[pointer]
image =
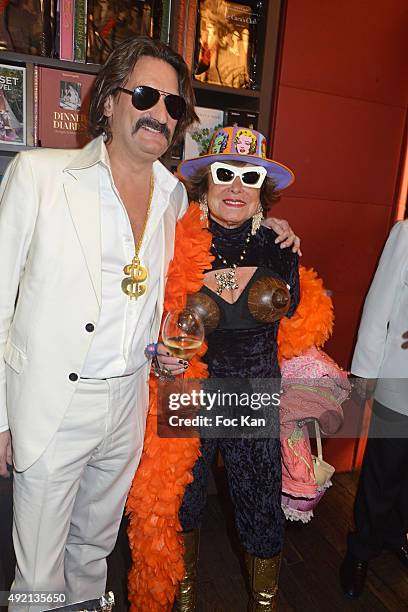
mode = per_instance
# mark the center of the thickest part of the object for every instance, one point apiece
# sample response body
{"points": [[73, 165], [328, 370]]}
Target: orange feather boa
{"points": [[166, 465]]}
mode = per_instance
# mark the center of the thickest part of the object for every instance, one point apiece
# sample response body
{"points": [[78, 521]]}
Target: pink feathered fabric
{"points": [[313, 386]]}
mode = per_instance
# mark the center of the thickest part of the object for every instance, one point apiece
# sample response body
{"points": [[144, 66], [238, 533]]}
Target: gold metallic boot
{"points": [[186, 597], [263, 577]]}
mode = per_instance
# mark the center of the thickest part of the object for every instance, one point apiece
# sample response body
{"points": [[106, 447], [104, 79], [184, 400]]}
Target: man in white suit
{"points": [[74, 325], [381, 508], [85, 241]]}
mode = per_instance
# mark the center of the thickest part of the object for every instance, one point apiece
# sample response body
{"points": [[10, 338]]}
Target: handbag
{"points": [[101, 604], [323, 471], [300, 508]]}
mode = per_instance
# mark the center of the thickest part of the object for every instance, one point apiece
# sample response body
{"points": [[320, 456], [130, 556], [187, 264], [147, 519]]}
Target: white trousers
{"points": [[68, 505]]}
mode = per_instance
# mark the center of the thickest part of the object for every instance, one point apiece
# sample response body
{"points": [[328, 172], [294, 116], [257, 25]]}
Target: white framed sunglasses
{"points": [[225, 174]]}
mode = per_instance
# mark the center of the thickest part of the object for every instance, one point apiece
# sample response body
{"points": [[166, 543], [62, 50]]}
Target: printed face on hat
{"points": [[231, 205], [244, 144]]}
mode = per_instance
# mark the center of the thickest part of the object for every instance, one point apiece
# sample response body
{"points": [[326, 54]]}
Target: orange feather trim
{"points": [[166, 465], [312, 323], [165, 468]]}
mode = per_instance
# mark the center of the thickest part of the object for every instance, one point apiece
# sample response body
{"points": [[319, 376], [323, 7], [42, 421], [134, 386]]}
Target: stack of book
{"points": [[44, 107], [79, 30], [49, 107], [72, 31]]}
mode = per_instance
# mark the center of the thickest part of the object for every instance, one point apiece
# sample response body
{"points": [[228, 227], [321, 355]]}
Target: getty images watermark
{"points": [[236, 408], [210, 400], [219, 408]]}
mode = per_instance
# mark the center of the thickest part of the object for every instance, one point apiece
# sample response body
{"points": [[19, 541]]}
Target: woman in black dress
{"points": [[253, 282]]}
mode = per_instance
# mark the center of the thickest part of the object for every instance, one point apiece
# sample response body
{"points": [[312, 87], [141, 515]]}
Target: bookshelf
{"points": [[227, 91], [9, 57], [207, 95], [260, 100]]}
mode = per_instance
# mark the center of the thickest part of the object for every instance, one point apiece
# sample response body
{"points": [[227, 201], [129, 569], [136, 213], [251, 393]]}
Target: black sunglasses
{"points": [[144, 97]]}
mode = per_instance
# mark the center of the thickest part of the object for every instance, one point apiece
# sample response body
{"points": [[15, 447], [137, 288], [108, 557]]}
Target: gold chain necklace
{"points": [[136, 274], [228, 278]]}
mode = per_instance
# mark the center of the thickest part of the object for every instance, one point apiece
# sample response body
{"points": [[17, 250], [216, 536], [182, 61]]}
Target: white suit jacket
{"points": [[50, 284], [378, 353]]}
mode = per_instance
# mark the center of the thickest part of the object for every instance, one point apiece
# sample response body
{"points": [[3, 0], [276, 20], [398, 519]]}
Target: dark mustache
{"points": [[154, 124]]}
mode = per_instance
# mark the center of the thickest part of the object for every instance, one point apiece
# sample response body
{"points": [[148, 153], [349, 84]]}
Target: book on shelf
{"points": [[199, 135], [241, 117], [72, 30], [28, 26], [66, 29], [191, 25], [165, 21], [112, 21], [63, 105], [12, 105], [227, 39], [80, 30], [186, 30], [31, 70]]}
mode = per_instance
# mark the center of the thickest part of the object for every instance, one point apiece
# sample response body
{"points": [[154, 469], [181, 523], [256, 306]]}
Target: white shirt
{"points": [[124, 325], [378, 353]]}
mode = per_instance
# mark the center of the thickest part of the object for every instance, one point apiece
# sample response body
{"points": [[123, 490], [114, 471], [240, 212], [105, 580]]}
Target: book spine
{"points": [[47, 28], [36, 78], [24, 105], [180, 27], [5, 40], [165, 24], [80, 30], [190, 35], [30, 104], [66, 35]]}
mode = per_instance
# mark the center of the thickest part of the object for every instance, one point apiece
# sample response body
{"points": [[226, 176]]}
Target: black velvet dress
{"points": [[243, 348]]}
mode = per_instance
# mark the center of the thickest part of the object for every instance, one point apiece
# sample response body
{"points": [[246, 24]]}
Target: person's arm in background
{"points": [[373, 330]]}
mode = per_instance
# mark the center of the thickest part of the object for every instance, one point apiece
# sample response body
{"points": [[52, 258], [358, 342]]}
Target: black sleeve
{"points": [[281, 261], [294, 285]]}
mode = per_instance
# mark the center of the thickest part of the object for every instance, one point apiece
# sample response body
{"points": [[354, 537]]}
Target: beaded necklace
{"points": [[228, 279]]}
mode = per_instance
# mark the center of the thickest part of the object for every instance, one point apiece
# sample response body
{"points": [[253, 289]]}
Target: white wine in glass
{"points": [[183, 333]]}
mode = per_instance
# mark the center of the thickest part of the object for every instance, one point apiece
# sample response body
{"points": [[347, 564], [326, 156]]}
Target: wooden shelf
{"points": [[50, 62], [6, 148], [209, 95], [217, 96], [234, 91]]}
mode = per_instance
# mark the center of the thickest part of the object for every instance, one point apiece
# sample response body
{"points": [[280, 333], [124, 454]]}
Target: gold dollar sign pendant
{"points": [[136, 274], [132, 284]]}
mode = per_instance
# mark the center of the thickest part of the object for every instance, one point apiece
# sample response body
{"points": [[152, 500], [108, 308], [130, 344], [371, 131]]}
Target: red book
{"points": [[66, 38], [63, 106], [190, 33]]}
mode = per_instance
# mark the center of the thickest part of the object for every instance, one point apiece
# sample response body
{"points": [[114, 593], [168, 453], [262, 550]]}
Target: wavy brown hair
{"points": [[197, 186], [116, 72]]}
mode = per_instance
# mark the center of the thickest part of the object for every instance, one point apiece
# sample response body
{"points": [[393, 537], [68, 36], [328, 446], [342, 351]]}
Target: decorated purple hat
{"points": [[239, 144]]}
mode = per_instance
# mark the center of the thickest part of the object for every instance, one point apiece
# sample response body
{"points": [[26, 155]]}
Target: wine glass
{"points": [[183, 332]]}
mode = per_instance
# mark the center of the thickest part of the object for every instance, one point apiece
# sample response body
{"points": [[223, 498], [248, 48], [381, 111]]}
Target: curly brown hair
{"points": [[197, 186], [116, 72]]}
